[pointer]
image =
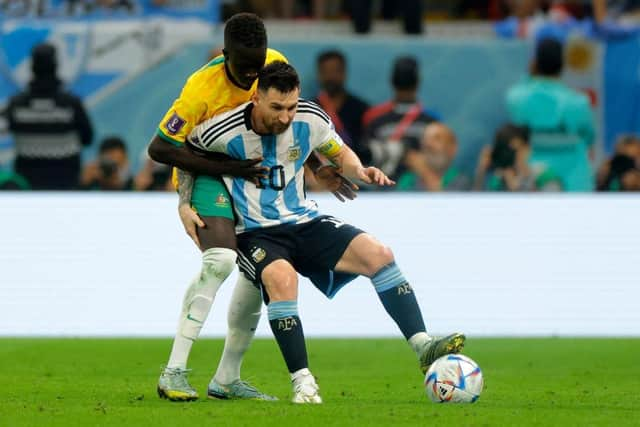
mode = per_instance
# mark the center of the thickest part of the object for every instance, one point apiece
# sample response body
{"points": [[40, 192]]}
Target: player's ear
{"points": [[255, 97]]}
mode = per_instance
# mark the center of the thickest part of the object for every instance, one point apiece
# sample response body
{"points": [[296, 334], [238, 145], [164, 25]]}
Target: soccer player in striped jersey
{"points": [[282, 233], [222, 84]]}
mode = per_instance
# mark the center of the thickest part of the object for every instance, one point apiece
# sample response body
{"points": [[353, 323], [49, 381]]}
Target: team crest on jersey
{"points": [[258, 254], [222, 201], [294, 153], [175, 123]]}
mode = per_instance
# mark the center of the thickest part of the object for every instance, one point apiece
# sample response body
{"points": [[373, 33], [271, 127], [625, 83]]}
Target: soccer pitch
{"points": [[528, 382]]}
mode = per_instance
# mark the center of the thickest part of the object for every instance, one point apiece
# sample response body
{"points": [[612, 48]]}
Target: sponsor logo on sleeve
{"points": [[175, 123]]}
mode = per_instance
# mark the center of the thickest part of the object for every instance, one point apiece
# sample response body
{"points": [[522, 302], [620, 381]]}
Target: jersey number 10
{"points": [[276, 179]]}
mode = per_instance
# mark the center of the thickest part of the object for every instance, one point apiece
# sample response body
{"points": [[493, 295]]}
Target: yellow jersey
{"points": [[207, 93]]}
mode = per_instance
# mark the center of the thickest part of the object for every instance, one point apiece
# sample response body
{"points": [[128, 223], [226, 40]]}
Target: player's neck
{"points": [[232, 79], [256, 124], [339, 99], [405, 97]]}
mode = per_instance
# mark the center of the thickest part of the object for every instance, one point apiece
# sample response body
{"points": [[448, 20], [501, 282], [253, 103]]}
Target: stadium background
{"points": [[90, 282], [485, 255]]}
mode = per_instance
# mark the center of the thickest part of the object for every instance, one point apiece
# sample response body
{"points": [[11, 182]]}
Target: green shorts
{"points": [[211, 198]]}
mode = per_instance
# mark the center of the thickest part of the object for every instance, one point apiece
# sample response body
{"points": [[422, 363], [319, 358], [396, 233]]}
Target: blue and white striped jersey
{"points": [[281, 198]]}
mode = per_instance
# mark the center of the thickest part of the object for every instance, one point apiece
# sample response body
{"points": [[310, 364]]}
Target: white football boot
{"points": [[305, 389]]}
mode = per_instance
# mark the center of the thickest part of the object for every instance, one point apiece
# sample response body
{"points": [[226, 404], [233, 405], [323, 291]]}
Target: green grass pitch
{"points": [[111, 382]]}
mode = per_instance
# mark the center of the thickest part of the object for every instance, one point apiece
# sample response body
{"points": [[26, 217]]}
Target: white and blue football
{"points": [[454, 378]]}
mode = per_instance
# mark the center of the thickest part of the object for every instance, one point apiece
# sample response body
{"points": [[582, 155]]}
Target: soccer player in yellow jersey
{"points": [[221, 85]]}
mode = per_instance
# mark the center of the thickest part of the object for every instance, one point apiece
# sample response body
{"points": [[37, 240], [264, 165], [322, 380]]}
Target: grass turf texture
{"points": [[68, 382]]}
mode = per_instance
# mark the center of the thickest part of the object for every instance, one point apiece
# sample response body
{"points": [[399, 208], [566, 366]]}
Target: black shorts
{"points": [[313, 249]]}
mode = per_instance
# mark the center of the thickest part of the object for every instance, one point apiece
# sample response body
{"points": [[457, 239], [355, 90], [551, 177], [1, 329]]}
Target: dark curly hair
{"points": [[278, 75], [246, 29]]}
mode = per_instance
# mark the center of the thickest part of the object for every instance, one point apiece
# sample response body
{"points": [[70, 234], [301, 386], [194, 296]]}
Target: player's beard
{"points": [[277, 128]]}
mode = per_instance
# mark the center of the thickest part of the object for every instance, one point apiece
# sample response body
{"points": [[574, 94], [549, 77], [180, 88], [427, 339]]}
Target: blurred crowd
{"points": [[516, 18], [45, 8], [361, 12], [547, 144]]}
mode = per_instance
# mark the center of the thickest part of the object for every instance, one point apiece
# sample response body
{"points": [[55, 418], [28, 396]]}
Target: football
{"points": [[454, 378]]}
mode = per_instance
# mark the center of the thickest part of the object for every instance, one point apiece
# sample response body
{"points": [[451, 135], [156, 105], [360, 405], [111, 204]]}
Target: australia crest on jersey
{"points": [[222, 201]]}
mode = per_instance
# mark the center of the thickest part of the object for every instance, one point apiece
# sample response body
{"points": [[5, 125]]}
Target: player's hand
{"points": [[191, 221], [248, 169], [332, 179], [372, 175]]}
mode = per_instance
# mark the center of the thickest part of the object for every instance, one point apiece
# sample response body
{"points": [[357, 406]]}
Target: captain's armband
{"points": [[330, 148]]}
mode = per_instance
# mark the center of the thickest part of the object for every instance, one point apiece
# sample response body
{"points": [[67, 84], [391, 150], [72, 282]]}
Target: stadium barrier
{"points": [[118, 264]]}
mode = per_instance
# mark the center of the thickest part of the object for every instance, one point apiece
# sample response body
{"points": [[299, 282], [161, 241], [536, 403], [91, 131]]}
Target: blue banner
{"points": [[208, 10], [622, 89]]}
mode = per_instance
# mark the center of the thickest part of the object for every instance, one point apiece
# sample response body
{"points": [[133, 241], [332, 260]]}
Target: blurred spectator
{"points": [[6, 142], [49, 126], [410, 10], [507, 165], [83, 7], [153, 176], [620, 173], [286, 9], [562, 18], [22, 8], [431, 167], [12, 182], [110, 172], [396, 126], [345, 109], [559, 117], [615, 8]]}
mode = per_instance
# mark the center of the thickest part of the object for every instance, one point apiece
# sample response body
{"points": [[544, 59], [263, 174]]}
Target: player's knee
{"points": [[218, 263], [380, 256], [280, 281]]}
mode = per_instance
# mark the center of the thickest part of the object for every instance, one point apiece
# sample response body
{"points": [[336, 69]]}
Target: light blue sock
{"points": [[398, 299]]}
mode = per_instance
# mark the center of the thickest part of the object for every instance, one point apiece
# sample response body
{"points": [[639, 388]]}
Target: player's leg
{"points": [[367, 256], [218, 243], [218, 261], [280, 282], [265, 257], [242, 320]]}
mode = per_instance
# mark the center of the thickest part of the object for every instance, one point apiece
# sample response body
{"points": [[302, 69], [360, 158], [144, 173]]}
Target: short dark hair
{"points": [[246, 29], [507, 132], [112, 143], [44, 60], [328, 55], [549, 57], [405, 73], [278, 75]]}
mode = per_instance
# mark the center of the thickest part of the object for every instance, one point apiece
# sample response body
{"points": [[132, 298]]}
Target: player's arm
{"points": [[190, 218], [327, 177], [186, 159], [168, 145], [349, 164]]}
